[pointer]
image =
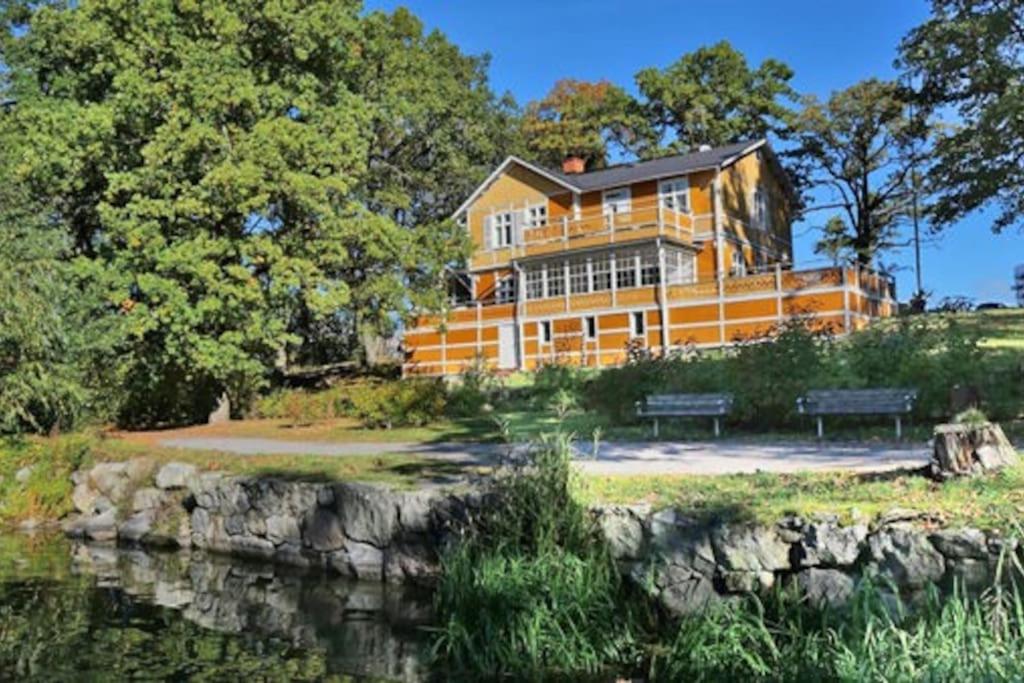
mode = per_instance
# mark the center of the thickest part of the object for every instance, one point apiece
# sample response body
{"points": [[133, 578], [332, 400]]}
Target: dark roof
{"points": [[678, 164]]}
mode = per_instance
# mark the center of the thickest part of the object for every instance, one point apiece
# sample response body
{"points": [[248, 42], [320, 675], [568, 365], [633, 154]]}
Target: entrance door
{"points": [[507, 346]]}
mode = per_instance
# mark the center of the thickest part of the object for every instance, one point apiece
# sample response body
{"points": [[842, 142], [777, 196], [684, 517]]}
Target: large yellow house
{"points": [[687, 250]]}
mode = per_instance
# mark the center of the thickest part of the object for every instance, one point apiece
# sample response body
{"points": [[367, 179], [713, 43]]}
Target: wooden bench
{"points": [[685, 405], [895, 402]]}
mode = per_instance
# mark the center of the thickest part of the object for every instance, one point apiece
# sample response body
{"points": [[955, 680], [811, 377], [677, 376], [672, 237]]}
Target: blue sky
{"points": [[829, 45]]}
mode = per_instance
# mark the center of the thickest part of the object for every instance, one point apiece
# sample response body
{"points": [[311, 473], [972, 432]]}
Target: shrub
{"points": [[475, 388], [402, 403], [557, 382]]}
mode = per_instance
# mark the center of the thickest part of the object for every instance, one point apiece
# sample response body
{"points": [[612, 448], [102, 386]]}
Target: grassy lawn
{"points": [[994, 501]]}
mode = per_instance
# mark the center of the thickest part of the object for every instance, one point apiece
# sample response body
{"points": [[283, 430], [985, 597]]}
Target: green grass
{"points": [[991, 501]]}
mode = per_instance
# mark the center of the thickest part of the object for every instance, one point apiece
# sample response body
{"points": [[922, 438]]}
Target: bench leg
{"points": [[718, 430], [821, 429], [899, 428]]}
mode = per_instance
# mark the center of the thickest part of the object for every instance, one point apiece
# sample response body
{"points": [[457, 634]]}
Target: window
{"points": [[625, 270], [636, 324], [501, 225], [505, 291], [649, 270], [601, 270], [535, 283], [545, 331], [616, 201], [578, 277], [590, 327], [762, 216], [675, 194], [556, 279], [680, 268], [536, 216], [739, 264]]}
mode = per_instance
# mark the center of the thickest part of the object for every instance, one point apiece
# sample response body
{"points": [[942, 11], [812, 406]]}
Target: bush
{"points": [[476, 388], [558, 383], [403, 403]]}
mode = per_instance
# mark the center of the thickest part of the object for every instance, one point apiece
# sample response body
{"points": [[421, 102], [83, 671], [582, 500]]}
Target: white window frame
{"points": [[762, 208], [611, 207], [553, 269], [535, 215], [587, 319], [739, 263], [648, 263], [546, 331], [605, 268], [626, 264], [635, 333], [501, 296], [535, 288], [502, 223], [673, 191], [579, 269]]}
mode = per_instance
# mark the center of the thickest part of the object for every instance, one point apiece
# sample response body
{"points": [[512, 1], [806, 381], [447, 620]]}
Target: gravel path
{"points": [[691, 457]]}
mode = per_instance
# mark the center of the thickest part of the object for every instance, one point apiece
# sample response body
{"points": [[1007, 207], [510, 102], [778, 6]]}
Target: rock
{"points": [[102, 527], [749, 548], [283, 529], [22, 475], [84, 499], [972, 574], [146, 499], [968, 449], [825, 587], [414, 511], [222, 413], [680, 541], [110, 479], [961, 543], [250, 546], [323, 531], [325, 496], [137, 527], [747, 582], [175, 475], [365, 561], [827, 544], [622, 531], [685, 592], [368, 514], [906, 558], [904, 516], [411, 561]]}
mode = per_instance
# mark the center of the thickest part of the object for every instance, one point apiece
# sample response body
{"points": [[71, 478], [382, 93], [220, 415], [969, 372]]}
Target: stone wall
{"points": [[375, 533]]}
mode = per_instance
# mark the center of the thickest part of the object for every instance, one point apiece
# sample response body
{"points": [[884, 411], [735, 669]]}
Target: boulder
{"points": [[175, 475], [110, 479], [969, 449], [147, 499], [972, 574], [682, 542], [827, 544], [682, 592], [322, 531], [23, 475], [101, 528], [84, 499], [283, 529], [961, 543], [750, 548], [622, 530], [905, 557], [137, 527], [368, 514], [825, 587], [747, 582], [366, 562]]}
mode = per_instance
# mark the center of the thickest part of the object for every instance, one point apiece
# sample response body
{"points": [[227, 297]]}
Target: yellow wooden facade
{"points": [[580, 282]]}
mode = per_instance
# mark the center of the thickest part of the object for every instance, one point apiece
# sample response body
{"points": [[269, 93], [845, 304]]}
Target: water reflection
{"points": [[110, 613]]}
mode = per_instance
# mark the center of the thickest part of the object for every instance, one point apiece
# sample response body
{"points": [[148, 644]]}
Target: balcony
{"points": [[645, 219]]}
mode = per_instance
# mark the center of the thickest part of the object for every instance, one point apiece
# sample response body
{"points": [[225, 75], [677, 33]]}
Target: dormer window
{"points": [[501, 230], [675, 194], [762, 216]]}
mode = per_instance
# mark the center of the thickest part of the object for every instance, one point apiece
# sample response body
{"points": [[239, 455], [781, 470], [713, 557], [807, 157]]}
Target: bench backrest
{"points": [[857, 401], [686, 404]]}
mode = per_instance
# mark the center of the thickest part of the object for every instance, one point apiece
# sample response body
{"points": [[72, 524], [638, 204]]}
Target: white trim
{"points": [[662, 194], [619, 188], [511, 159]]}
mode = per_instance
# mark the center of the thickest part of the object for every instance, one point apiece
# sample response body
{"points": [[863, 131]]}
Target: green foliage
{"points": [[409, 402], [531, 591], [46, 493], [242, 181], [971, 416], [712, 97], [967, 59], [766, 377], [583, 119], [864, 146], [557, 384], [474, 391]]}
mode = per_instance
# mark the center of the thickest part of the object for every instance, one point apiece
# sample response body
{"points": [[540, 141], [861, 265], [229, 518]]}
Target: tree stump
{"points": [[968, 449]]}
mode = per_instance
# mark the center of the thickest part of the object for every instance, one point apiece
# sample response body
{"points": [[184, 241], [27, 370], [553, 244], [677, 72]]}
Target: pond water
{"points": [[76, 612]]}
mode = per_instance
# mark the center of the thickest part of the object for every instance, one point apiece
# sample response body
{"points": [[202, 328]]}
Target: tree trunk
{"points": [[969, 449]]}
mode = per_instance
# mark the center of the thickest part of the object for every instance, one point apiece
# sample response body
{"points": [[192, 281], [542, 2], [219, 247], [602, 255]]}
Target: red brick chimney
{"points": [[573, 164]]}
